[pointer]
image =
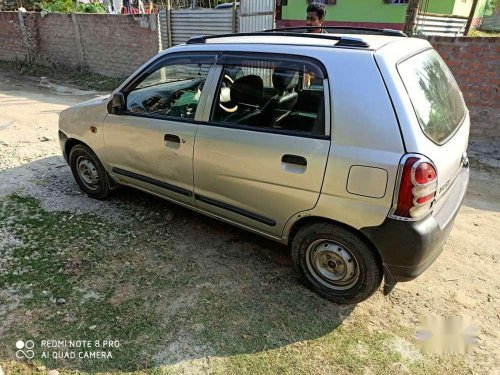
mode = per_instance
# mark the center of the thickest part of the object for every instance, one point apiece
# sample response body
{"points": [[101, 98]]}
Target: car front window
{"points": [[170, 91]]}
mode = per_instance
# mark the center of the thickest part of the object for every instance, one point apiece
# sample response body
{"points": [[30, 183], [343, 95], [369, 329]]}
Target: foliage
{"points": [[68, 6], [483, 33], [63, 6], [490, 6], [91, 8], [30, 5]]}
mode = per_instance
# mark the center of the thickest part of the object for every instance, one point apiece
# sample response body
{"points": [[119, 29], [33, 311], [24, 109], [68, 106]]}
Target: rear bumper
{"points": [[408, 248]]}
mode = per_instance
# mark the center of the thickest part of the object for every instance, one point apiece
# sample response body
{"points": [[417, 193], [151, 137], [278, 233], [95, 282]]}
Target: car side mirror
{"points": [[118, 103]]}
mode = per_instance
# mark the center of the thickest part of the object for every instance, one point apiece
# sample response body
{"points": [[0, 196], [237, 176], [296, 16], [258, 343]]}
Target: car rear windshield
{"points": [[434, 93]]}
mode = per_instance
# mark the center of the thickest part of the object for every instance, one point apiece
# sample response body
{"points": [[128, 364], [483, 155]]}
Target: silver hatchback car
{"points": [[350, 147]]}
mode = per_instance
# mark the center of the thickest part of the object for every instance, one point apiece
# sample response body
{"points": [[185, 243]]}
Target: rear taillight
{"points": [[417, 188]]}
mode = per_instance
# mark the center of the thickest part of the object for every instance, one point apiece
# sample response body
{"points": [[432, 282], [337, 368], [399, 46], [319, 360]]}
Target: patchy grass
{"points": [[177, 303], [82, 79], [482, 33]]}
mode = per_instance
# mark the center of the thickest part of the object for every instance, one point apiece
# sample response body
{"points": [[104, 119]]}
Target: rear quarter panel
{"points": [[365, 132]]}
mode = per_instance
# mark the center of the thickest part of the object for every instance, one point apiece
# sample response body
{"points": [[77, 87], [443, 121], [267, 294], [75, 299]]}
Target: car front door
{"points": [[149, 141], [261, 154]]}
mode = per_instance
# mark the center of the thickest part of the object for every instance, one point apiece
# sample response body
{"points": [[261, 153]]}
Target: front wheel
{"points": [[336, 263], [88, 172]]}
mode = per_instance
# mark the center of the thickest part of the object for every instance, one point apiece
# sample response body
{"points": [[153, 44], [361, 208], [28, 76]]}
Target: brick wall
{"points": [[475, 63], [122, 45], [57, 39], [12, 46], [109, 44]]}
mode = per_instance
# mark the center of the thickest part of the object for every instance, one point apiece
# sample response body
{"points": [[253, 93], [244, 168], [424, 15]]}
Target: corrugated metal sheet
{"points": [[163, 33], [256, 15], [253, 15], [189, 23], [435, 25], [490, 23]]}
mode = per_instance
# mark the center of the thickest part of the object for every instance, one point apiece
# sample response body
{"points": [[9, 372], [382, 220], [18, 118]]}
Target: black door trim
{"points": [[152, 181], [240, 211]]}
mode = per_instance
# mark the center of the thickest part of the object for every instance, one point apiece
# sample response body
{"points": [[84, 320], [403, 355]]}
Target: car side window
{"points": [[172, 90], [286, 96]]}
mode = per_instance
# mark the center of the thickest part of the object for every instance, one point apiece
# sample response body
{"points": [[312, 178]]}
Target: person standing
{"points": [[315, 16]]}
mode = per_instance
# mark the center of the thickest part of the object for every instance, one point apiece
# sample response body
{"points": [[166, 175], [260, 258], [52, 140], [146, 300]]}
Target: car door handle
{"points": [[172, 138], [294, 159]]}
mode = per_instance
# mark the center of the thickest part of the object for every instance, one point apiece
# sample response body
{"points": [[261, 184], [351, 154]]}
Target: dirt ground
{"points": [[240, 309]]}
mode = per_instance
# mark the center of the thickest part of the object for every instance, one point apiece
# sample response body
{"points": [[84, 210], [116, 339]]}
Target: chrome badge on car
{"points": [[445, 186]]}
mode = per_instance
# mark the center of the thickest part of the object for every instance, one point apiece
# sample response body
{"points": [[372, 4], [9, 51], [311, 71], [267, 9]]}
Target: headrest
{"points": [[285, 78], [248, 90]]}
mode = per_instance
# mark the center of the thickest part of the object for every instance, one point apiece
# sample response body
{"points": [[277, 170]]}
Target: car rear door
{"points": [[258, 165], [433, 115], [441, 113]]}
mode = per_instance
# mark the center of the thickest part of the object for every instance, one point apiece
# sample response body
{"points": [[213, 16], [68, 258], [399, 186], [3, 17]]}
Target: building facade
{"points": [[372, 13]]}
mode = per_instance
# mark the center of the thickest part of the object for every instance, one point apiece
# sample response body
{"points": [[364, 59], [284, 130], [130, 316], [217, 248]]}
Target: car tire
{"points": [[89, 172], [336, 263]]}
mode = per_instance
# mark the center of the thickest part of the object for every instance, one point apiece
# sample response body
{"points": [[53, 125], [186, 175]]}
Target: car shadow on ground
{"points": [[169, 284]]}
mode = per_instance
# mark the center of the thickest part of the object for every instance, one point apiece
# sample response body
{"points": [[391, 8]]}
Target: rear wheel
{"points": [[336, 263], [88, 172]]}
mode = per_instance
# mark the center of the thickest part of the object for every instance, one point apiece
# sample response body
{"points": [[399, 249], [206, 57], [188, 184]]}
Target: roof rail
{"points": [[338, 29], [343, 41]]}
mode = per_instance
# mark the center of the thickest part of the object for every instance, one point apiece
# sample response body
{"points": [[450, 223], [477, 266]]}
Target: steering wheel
{"points": [[225, 95]]}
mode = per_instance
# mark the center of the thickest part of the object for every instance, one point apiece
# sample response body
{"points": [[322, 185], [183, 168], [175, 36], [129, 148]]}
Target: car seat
{"points": [[277, 109], [247, 92]]}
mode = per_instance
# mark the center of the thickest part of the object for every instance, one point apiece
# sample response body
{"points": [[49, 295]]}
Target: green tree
{"points": [[491, 6]]}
